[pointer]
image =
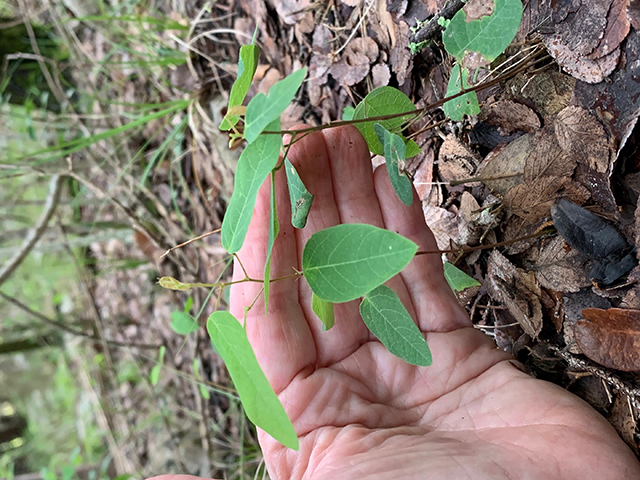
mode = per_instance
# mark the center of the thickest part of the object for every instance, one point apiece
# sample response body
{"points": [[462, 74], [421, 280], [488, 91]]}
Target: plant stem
{"points": [[412, 113], [464, 251]]}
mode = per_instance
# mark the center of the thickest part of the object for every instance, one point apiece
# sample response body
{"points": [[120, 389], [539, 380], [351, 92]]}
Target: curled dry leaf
{"points": [[401, 58], [353, 67], [518, 290], [582, 136], [610, 337], [633, 12], [532, 201], [583, 68], [447, 227], [455, 160]]}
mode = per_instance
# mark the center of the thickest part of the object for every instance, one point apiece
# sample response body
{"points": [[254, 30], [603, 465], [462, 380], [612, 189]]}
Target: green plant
{"points": [[341, 263], [474, 43]]}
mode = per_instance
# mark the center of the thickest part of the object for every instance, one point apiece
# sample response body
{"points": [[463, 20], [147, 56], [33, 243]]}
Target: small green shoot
{"points": [[154, 377]]}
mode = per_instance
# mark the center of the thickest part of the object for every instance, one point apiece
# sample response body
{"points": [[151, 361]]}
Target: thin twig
{"points": [[432, 28], [72, 331], [204, 235], [464, 251], [416, 112], [55, 188]]}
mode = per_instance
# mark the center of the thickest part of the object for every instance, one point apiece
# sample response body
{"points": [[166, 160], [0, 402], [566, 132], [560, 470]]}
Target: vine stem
{"points": [[464, 251], [416, 112]]}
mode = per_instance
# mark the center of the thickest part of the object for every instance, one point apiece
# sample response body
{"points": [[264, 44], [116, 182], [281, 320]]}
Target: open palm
{"points": [[359, 411]]}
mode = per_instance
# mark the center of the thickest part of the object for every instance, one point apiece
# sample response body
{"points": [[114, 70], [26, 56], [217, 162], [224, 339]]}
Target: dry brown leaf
{"points": [[423, 176], [579, 25], [633, 12], [381, 75], [573, 304], [532, 201], [353, 67], [475, 9], [547, 158], [618, 27], [401, 58], [455, 160], [610, 337], [510, 117], [447, 227], [559, 267], [550, 92], [624, 420], [582, 136], [518, 290], [582, 68], [503, 168]]}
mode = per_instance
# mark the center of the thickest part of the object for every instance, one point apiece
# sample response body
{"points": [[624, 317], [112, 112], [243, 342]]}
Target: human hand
{"points": [[361, 412]]}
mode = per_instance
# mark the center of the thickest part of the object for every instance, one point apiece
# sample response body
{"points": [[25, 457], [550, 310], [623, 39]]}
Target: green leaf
{"points": [[258, 398], [395, 154], [386, 317], [384, 101], [301, 199], [274, 229], [347, 113], [247, 64], [255, 163], [265, 109], [457, 279], [466, 104], [345, 262], [489, 35], [324, 311], [155, 371], [182, 323]]}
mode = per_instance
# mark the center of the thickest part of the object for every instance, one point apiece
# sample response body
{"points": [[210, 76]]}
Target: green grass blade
{"points": [[258, 398]]}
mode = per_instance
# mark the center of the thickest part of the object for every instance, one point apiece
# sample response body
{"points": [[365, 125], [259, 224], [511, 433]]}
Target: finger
{"points": [[276, 337], [354, 193], [437, 308], [311, 159]]}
